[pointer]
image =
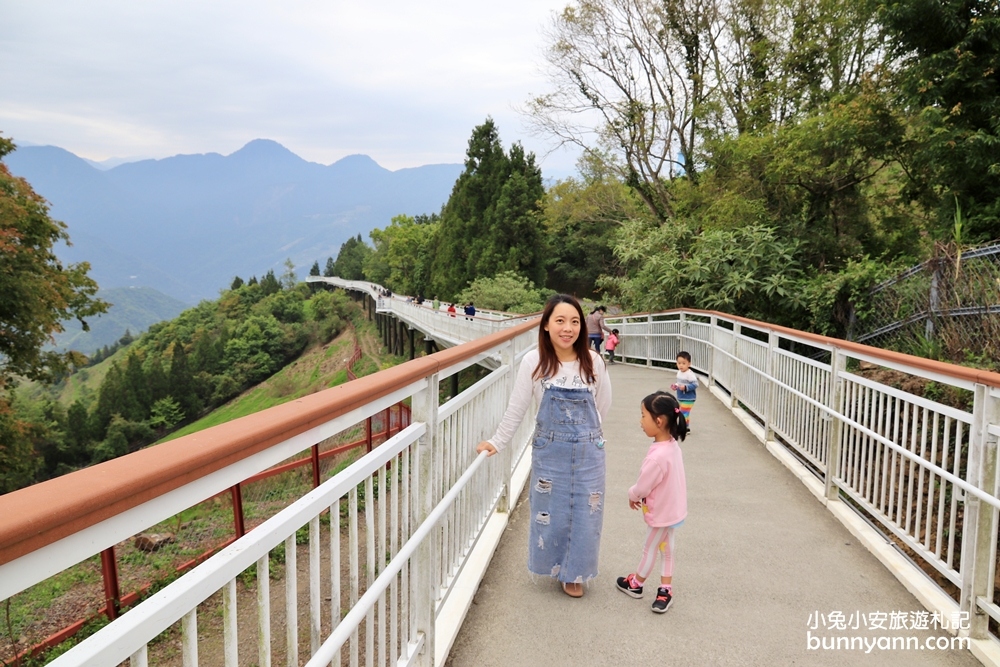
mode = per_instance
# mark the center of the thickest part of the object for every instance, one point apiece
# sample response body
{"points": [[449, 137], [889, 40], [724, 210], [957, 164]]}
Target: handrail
{"points": [[970, 375], [42, 514]]}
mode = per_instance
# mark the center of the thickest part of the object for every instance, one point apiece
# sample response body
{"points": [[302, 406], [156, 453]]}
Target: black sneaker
{"points": [[630, 586], [663, 600]]}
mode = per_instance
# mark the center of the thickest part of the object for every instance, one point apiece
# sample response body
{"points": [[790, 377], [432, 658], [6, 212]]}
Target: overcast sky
{"points": [[402, 81]]}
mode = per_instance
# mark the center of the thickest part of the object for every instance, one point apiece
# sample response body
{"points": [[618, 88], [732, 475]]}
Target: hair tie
{"points": [[677, 411]]}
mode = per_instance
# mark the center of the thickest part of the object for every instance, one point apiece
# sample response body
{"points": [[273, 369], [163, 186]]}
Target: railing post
{"points": [[735, 366], [507, 455], [835, 401], [112, 595], [314, 456], [238, 521], [978, 536], [772, 346], [681, 332], [368, 435], [425, 409], [649, 339], [713, 323]]}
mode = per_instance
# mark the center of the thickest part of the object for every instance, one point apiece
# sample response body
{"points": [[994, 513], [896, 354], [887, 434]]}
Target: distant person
{"points": [[470, 310], [573, 392], [661, 494], [451, 310], [437, 304], [686, 385], [596, 327], [611, 344]]}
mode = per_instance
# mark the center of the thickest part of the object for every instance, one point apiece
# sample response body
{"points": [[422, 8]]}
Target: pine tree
{"points": [[491, 222]]}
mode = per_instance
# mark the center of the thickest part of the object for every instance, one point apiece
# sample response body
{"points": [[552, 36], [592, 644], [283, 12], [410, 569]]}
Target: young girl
{"points": [[611, 344], [571, 384], [661, 493]]}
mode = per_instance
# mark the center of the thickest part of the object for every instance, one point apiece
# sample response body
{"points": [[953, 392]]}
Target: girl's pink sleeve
{"points": [[649, 476]]}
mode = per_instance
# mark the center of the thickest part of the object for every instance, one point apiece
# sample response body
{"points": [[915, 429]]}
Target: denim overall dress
{"points": [[567, 486]]}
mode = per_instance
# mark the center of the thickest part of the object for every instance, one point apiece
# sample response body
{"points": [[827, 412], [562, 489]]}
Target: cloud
{"points": [[401, 81]]}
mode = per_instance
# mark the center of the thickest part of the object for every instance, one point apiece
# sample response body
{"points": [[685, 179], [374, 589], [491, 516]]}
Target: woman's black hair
{"points": [[663, 404]]}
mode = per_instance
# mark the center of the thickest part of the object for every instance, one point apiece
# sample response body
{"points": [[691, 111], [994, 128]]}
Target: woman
{"points": [[573, 391], [596, 327]]}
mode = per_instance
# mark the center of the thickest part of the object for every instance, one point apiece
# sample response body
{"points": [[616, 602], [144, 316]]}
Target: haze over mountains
{"points": [[185, 225]]}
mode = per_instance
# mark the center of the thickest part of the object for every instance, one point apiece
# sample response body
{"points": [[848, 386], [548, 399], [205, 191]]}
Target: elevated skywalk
{"points": [[756, 560], [446, 329]]}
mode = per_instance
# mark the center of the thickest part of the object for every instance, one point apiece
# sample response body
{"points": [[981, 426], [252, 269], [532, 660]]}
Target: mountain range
{"points": [[186, 225]]}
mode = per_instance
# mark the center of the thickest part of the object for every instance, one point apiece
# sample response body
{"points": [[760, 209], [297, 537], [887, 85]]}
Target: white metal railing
{"points": [[397, 527], [923, 471]]}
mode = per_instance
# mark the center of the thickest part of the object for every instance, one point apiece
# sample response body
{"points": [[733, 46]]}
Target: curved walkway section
{"points": [[764, 574], [446, 329]]}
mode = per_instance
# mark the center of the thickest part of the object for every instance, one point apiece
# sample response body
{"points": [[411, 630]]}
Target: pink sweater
{"points": [[661, 482]]}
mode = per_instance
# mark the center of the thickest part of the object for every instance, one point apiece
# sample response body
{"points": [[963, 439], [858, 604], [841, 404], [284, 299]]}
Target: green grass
{"points": [[82, 385], [257, 399]]}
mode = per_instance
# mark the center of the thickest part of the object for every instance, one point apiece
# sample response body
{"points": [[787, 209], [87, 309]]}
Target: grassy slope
{"points": [[318, 368]]}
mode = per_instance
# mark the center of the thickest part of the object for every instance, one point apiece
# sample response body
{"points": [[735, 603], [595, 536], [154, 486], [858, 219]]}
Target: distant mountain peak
{"points": [[260, 149], [359, 163]]}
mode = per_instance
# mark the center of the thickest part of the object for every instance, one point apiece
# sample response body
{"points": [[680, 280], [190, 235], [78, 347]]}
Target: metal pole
{"points": [[424, 564], [238, 523], [835, 401], [978, 537], [112, 594]]}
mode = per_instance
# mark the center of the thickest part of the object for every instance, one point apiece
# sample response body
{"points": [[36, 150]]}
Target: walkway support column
{"points": [[977, 542], [425, 409]]}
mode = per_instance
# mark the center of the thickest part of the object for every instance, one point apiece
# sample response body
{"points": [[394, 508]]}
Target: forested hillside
{"points": [[178, 371], [132, 310]]}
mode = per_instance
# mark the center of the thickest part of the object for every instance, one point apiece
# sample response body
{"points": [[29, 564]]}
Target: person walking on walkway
{"points": [[596, 327], [686, 386], [611, 344], [573, 390], [661, 494]]}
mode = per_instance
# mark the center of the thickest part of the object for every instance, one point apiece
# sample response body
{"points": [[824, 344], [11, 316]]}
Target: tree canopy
{"points": [[37, 291]]}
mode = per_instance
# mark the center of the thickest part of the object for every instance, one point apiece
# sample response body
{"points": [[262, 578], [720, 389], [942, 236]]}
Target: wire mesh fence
{"points": [[947, 308]]}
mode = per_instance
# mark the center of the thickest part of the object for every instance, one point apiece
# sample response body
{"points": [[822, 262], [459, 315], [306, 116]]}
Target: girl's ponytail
{"points": [[663, 404]]}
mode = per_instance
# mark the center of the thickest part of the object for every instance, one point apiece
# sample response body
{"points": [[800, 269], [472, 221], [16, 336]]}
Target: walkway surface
{"points": [[757, 559]]}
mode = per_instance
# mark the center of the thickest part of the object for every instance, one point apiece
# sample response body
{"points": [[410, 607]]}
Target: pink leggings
{"points": [[658, 538]]}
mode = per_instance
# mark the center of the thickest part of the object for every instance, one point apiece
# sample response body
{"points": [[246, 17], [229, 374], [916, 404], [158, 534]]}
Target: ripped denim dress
{"points": [[567, 486]]}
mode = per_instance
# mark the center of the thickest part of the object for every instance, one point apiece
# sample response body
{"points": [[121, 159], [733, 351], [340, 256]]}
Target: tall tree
{"points": [[403, 255], [950, 78], [490, 222], [350, 260], [37, 291]]}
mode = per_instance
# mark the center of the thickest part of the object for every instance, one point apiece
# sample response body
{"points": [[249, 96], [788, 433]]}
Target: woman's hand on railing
{"points": [[485, 446]]}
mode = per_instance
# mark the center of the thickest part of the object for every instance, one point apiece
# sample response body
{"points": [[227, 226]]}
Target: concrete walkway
{"points": [[757, 557]]}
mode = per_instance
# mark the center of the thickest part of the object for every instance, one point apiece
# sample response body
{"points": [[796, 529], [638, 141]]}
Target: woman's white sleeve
{"points": [[520, 401], [602, 392]]}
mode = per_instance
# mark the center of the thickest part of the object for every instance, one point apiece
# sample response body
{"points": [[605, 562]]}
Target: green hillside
{"points": [[133, 309]]}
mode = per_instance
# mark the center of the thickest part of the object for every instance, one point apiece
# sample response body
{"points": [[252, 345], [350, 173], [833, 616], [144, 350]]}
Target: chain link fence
{"points": [[947, 308]]}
